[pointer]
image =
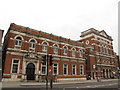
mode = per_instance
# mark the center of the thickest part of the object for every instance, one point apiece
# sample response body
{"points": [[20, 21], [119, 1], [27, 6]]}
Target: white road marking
{"points": [[77, 87], [88, 86]]}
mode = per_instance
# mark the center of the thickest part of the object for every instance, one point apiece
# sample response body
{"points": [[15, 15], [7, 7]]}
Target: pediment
{"points": [[103, 33], [31, 56]]}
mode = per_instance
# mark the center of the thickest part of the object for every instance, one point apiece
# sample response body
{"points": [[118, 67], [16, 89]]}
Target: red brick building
{"points": [[100, 56], [1, 35], [24, 47]]}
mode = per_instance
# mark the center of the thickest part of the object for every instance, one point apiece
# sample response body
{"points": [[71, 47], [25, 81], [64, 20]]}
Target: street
{"points": [[108, 84], [64, 86]]}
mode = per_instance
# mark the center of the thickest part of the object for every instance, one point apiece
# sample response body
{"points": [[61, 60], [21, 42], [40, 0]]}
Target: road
{"points": [[71, 86], [108, 84]]}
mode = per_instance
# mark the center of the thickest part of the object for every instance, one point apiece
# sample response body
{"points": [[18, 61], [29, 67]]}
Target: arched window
{"points": [[44, 47], [80, 53], [65, 50], [73, 52], [18, 41], [55, 49], [32, 44]]}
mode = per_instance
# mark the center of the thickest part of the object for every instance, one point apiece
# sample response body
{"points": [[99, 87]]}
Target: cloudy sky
{"points": [[66, 18]]}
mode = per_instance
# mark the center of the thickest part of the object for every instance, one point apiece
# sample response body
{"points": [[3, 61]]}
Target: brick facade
{"points": [[100, 55], [19, 53]]}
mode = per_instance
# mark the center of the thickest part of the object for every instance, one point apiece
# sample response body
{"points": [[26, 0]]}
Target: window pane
{"points": [[33, 45], [43, 70], [65, 68], [18, 38], [55, 64], [16, 42], [55, 70], [81, 70], [15, 61], [73, 52], [19, 43], [65, 71], [15, 68], [32, 41], [73, 69], [80, 53]]}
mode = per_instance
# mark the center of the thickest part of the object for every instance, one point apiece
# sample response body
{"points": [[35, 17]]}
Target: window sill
{"points": [[56, 53], [65, 54], [32, 49], [44, 51], [17, 47]]}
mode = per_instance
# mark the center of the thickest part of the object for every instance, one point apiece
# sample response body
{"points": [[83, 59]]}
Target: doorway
{"points": [[30, 71]]}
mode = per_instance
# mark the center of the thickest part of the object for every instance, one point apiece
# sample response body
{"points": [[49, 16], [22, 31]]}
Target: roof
{"points": [[28, 30], [101, 33]]}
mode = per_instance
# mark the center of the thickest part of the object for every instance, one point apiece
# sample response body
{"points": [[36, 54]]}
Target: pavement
{"points": [[11, 84], [65, 82]]}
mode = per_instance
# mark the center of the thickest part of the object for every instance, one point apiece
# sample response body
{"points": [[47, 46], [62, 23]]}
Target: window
{"points": [[55, 69], [107, 51], [15, 66], [32, 44], [87, 42], [98, 60], [73, 52], [81, 70], [43, 69], [101, 48], [104, 49], [55, 49], [65, 69], [18, 41], [80, 53], [109, 61], [65, 50], [73, 69], [44, 47]]}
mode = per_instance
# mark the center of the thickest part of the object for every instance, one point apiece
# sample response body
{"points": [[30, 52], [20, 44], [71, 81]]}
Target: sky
{"points": [[66, 18]]}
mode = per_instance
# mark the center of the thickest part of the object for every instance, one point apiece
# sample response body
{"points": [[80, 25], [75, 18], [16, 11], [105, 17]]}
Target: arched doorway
{"points": [[30, 71]]}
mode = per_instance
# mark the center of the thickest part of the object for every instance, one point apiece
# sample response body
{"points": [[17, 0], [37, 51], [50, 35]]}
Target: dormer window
{"points": [[32, 44], [65, 50], [73, 52], [18, 41], [55, 49], [44, 47]]}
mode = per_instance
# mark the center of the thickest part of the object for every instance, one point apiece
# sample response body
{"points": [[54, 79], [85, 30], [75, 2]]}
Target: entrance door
{"points": [[30, 71]]}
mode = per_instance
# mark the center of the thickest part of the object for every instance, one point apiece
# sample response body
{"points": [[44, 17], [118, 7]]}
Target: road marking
{"points": [[110, 84], [102, 85], [87, 86], [77, 87], [96, 86]]}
